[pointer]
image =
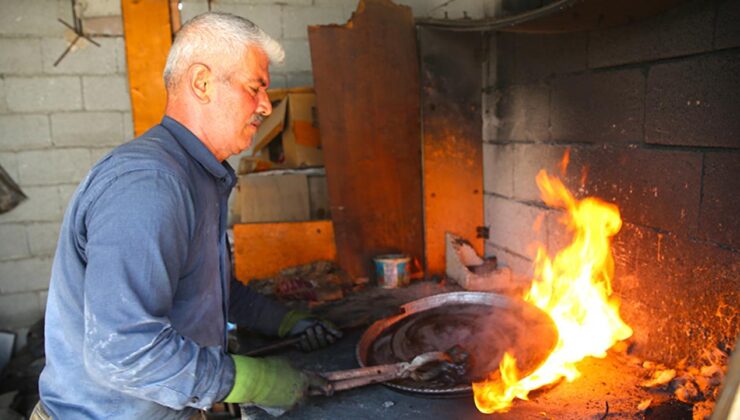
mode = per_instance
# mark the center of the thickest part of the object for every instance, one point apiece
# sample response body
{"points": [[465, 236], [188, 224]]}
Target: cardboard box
{"points": [[281, 196], [294, 124]]}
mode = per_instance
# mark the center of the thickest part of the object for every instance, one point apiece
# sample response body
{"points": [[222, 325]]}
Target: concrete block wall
{"points": [[287, 21], [55, 122], [649, 112]]}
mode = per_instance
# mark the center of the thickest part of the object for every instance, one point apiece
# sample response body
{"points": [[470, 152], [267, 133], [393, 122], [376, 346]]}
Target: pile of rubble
{"points": [[695, 385], [315, 283]]}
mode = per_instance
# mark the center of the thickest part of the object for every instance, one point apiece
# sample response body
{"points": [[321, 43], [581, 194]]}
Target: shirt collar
{"points": [[198, 151]]}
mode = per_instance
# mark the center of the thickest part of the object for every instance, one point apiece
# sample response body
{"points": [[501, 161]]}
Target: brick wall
{"points": [[651, 111], [55, 122]]}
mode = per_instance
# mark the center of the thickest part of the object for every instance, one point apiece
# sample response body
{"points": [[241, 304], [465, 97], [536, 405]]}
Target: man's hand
{"points": [[317, 384], [270, 382], [315, 333]]}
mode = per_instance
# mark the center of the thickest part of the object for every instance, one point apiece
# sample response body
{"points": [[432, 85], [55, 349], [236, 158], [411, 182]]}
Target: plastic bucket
{"points": [[392, 270]]}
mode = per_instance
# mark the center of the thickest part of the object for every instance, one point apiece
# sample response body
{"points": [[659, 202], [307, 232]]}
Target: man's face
{"points": [[240, 104]]}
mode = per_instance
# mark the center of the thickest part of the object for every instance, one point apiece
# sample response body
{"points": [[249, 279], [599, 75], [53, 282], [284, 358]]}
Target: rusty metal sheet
{"points": [[451, 77], [367, 90]]}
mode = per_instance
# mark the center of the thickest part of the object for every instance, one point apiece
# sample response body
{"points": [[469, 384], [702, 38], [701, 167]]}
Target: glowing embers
{"points": [[574, 289]]}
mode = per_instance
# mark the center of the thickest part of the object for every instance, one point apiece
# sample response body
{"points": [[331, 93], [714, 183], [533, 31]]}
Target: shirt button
{"points": [[194, 400]]}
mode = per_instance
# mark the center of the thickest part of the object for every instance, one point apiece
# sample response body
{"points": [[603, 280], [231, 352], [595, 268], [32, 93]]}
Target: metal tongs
{"points": [[424, 367]]}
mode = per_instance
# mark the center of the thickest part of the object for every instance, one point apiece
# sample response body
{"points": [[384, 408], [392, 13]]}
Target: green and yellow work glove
{"points": [[270, 382], [315, 333]]}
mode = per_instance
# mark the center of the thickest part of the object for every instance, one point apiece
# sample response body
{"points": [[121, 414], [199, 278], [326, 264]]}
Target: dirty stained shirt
{"points": [[141, 286]]}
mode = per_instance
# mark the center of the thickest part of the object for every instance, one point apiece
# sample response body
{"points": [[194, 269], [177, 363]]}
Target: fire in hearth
{"points": [[574, 288]]}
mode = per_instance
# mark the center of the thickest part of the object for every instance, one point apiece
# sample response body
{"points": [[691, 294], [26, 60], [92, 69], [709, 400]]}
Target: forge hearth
{"points": [[648, 112], [614, 380]]}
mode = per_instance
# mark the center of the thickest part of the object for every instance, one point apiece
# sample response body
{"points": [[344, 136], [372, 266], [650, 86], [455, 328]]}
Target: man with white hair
{"points": [[141, 286]]}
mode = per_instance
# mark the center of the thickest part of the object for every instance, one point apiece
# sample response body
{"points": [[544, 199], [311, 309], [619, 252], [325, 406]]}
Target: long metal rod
{"points": [[291, 341], [469, 25], [363, 381], [370, 371], [353, 378], [66, 51], [269, 348]]}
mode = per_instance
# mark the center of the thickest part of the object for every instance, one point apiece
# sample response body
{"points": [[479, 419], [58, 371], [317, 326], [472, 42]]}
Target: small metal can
{"points": [[392, 270]]}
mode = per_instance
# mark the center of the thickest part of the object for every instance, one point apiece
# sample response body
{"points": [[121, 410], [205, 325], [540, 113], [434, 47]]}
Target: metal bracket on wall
{"points": [[482, 232], [77, 29]]}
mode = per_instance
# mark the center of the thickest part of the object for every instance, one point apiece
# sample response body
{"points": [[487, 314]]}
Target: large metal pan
{"points": [[485, 324]]}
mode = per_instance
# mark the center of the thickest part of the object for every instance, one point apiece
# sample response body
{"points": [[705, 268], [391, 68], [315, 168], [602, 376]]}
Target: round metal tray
{"points": [[485, 324]]}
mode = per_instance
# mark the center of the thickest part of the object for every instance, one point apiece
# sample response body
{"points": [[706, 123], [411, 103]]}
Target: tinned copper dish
{"points": [[485, 325]]}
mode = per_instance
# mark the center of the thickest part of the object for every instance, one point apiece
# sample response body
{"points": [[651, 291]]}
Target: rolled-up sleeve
{"points": [[138, 231]]}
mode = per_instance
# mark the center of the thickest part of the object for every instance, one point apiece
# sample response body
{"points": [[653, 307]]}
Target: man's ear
{"points": [[200, 82]]}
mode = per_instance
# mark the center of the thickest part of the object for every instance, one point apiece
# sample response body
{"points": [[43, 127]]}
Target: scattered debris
{"points": [[360, 283], [388, 404], [644, 404], [294, 288], [648, 365], [669, 409], [687, 392], [660, 378], [703, 410], [697, 386], [702, 384], [316, 283]]}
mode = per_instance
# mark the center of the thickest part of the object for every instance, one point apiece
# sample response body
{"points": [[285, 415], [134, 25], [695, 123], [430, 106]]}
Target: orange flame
{"points": [[564, 162], [574, 288]]}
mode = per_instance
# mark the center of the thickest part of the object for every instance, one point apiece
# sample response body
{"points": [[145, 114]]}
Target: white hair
{"points": [[216, 36]]}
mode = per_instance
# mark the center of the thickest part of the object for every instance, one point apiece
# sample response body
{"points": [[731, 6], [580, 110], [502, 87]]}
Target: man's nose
{"points": [[264, 107]]}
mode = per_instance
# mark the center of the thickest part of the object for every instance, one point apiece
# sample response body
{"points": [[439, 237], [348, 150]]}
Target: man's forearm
{"points": [[171, 370], [252, 310]]}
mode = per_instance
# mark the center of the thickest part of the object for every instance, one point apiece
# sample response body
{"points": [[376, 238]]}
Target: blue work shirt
{"points": [[140, 286]]}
